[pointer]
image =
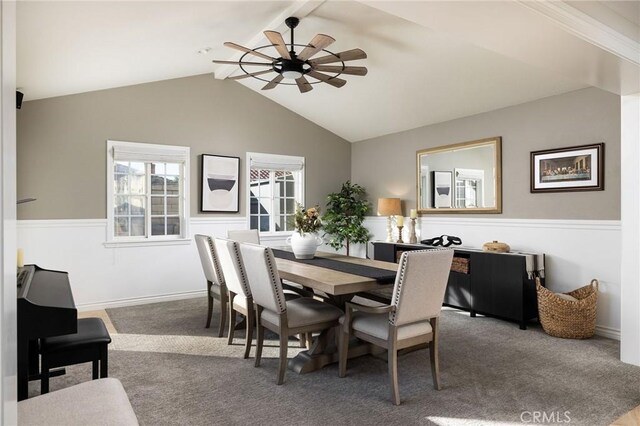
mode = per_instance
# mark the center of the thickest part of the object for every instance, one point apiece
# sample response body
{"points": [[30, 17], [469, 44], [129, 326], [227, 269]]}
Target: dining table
{"points": [[336, 278]]}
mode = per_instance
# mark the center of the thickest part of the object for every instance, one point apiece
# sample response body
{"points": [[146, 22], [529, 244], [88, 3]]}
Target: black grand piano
{"points": [[45, 309]]}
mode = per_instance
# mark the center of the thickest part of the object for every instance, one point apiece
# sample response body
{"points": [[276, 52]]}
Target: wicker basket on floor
{"points": [[569, 319]]}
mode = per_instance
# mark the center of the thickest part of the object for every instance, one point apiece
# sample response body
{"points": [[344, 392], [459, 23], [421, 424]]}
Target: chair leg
{"points": [[284, 347], [223, 311], [249, 335], [94, 370], [209, 309], [232, 319], [303, 340], [433, 354], [393, 375], [343, 351], [259, 338], [104, 361]]}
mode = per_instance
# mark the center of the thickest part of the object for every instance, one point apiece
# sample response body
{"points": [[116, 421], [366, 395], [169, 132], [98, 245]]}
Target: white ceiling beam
{"points": [[299, 9], [586, 27], [550, 35]]}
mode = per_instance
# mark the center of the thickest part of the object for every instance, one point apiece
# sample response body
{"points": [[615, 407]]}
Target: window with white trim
{"points": [[276, 184], [147, 192]]}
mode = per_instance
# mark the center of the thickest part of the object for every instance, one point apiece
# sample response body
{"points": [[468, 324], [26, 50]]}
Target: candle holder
{"points": [[400, 234], [413, 239], [389, 230]]}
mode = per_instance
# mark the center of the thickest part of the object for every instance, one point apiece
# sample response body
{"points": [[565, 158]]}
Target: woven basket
{"points": [[567, 318]]}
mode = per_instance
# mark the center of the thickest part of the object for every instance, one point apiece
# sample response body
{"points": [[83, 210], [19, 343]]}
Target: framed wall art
{"points": [[577, 168], [220, 183], [442, 190]]}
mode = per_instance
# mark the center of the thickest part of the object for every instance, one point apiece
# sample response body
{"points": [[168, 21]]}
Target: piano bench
{"points": [[89, 344]]}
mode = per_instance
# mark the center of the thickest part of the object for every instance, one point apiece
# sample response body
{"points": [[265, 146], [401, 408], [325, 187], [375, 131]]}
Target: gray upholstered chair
{"points": [[284, 317], [411, 318], [244, 235], [291, 291], [216, 288], [240, 299]]}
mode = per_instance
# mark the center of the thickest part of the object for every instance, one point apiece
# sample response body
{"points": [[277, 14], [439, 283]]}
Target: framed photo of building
{"points": [[577, 168], [220, 183], [442, 190]]}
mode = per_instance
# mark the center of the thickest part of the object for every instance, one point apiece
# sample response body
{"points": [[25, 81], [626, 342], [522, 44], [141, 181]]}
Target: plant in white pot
{"points": [[305, 240]]}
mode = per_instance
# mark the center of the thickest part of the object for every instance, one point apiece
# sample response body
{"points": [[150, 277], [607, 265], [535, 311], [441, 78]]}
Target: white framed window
{"points": [[147, 193], [275, 185]]}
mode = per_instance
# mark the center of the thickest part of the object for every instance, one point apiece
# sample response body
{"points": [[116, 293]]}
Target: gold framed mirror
{"points": [[460, 178]]}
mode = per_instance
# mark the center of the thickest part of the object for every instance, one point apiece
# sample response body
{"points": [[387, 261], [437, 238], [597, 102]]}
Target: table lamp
{"points": [[389, 207]]}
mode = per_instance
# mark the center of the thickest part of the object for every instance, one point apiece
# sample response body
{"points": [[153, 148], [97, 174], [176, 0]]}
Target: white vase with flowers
{"points": [[305, 240]]}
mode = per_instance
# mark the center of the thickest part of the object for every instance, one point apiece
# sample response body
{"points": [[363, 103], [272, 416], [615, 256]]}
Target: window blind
{"points": [[276, 162], [150, 153]]}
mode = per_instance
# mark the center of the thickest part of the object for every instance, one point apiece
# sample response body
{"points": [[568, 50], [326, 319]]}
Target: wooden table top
{"points": [[332, 282]]}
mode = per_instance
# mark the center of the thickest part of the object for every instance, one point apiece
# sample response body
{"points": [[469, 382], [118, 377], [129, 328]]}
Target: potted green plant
{"points": [[344, 217]]}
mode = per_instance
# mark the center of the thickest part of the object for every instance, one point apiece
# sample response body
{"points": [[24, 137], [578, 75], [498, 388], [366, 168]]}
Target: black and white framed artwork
{"points": [[442, 190], [220, 183]]}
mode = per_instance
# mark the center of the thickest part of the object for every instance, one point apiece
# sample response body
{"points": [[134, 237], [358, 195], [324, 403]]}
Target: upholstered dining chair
{"points": [[274, 312], [216, 288], [411, 319], [291, 290], [244, 235], [235, 279]]}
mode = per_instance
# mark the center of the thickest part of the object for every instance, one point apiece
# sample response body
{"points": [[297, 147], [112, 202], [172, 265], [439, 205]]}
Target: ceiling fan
{"points": [[296, 66]]}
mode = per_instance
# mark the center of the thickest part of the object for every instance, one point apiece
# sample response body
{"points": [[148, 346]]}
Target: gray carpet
{"points": [[490, 370]]}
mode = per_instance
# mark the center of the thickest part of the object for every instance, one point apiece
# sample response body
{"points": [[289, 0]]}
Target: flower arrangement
{"points": [[307, 220]]}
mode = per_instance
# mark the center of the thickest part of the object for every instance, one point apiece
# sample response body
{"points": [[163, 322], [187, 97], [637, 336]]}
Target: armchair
{"points": [[411, 318]]}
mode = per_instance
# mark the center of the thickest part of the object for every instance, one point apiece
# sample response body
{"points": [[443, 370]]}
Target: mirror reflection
{"points": [[460, 178]]}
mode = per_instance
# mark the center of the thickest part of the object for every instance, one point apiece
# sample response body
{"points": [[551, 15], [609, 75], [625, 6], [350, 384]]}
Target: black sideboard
{"points": [[487, 283]]}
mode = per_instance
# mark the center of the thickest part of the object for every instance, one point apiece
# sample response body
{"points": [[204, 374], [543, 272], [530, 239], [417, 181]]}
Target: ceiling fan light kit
{"points": [[291, 68]]}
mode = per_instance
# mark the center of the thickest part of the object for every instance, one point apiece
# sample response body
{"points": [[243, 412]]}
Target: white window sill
{"points": [[147, 243]]}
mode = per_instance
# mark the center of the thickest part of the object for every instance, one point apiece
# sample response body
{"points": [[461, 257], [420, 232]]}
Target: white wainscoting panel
{"points": [[576, 251], [119, 276], [101, 277]]}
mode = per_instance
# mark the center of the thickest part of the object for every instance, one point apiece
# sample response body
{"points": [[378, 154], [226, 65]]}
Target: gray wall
{"points": [[386, 166], [62, 141]]}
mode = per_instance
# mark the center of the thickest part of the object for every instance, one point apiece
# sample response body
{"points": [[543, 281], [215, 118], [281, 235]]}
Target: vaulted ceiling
{"points": [[428, 61]]}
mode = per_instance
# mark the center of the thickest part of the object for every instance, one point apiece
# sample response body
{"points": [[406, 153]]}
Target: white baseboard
{"points": [[610, 332], [141, 300]]}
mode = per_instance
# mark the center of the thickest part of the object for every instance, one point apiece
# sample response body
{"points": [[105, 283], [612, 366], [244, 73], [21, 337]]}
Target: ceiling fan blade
{"points": [[303, 85], [273, 83], [347, 55], [258, 64], [334, 81], [278, 42], [249, 51], [319, 42], [340, 69], [239, 77]]}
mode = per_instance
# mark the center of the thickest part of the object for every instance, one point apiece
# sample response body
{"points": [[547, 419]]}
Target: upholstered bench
{"points": [[89, 344], [97, 402]]}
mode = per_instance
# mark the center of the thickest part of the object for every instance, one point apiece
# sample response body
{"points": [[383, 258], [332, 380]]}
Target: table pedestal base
{"points": [[324, 351]]}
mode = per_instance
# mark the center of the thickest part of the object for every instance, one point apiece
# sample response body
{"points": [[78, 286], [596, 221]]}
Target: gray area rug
{"points": [[176, 372]]}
